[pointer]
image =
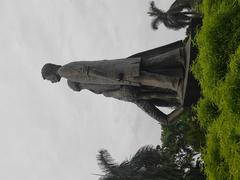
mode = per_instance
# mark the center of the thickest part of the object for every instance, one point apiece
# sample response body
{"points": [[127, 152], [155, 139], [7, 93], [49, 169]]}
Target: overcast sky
{"points": [[47, 131]]}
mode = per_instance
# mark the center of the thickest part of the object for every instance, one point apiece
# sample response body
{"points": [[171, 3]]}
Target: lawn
{"points": [[218, 70]]}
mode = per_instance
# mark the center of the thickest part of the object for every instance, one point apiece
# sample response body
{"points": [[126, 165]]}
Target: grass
{"points": [[218, 70]]}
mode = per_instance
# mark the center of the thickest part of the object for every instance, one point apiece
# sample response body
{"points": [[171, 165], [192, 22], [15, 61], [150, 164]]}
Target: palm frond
{"points": [[124, 164], [154, 10], [109, 177], [175, 18], [173, 22], [145, 156], [106, 162], [180, 5], [155, 23], [144, 150]]}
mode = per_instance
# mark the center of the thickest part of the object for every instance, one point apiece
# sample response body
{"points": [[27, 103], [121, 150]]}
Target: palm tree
{"points": [[148, 163], [178, 16]]}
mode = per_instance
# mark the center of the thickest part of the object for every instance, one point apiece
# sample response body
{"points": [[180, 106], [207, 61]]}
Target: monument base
{"points": [[192, 90]]}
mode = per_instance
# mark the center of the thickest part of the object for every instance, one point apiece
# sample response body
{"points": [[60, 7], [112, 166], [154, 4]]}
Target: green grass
{"points": [[218, 70]]}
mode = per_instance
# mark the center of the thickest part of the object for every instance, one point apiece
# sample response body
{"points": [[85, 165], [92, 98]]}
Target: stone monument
{"points": [[147, 79]]}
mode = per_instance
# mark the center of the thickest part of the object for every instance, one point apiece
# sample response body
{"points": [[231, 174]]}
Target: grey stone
{"points": [[148, 79]]}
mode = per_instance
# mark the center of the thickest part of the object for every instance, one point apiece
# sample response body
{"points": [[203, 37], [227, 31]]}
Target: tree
{"points": [[178, 16], [148, 163], [183, 141]]}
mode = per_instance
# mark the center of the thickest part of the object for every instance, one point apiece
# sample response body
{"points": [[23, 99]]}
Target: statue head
{"points": [[50, 72]]}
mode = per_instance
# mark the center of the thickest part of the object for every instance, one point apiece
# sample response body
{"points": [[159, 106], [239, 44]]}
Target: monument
{"points": [[148, 79]]}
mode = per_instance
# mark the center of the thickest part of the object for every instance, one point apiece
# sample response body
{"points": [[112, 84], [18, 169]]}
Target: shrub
{"points": [[232, 86], [207, 112]]}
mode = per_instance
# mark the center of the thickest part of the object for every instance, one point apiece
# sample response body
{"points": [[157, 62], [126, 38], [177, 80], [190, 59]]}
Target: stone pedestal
{"points": [[191, 85]]}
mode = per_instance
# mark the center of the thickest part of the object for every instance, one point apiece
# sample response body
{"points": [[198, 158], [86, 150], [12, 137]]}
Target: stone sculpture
{"points": [[147, 79]]}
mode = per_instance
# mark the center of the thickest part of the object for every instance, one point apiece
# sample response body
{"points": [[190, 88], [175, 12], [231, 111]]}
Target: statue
{"points": [[148, 79]]}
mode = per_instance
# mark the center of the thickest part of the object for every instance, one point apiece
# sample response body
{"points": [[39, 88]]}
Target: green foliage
{"points": [[182, 141], [207, 112], [222, 155], [232, 86], [217, 68], [184, 133], [148, 163], [218, 39], [214, 162]]}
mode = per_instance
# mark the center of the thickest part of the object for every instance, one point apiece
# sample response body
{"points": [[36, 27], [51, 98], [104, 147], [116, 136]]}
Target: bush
{"points": [[207, 112], [218, 39], [232, 86], [215, 167], [218, 70]]}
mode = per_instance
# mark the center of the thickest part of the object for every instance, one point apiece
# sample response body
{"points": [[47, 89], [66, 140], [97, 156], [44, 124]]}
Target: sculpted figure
{"points": [[144, 79]]}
